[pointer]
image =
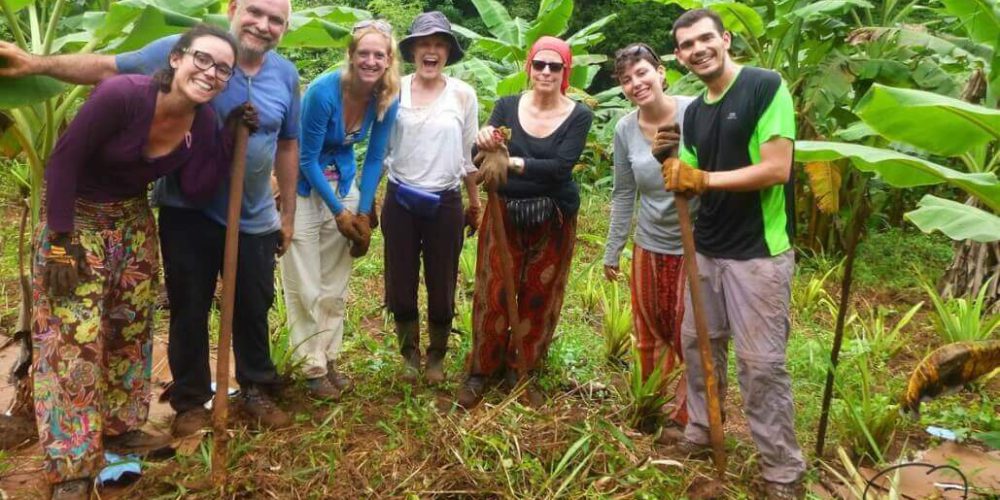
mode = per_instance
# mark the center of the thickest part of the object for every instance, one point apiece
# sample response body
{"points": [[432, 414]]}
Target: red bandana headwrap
{"points": [[559, 46]]}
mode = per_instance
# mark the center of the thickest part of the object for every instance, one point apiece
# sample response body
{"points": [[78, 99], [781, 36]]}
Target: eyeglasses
{"points": [[378, 24], [206, 62], [635, 50], [554, 67]]}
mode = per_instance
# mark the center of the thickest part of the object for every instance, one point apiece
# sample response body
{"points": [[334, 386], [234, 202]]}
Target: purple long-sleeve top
{"points": [[100, 155]]}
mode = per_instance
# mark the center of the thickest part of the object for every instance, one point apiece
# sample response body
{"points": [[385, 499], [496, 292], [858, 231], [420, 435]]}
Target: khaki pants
{"points": [[315, 272], [747, 300]]}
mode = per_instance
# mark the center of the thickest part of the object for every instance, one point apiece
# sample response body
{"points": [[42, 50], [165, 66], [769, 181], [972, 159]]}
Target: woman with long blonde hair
{"points": [[333, 220]]}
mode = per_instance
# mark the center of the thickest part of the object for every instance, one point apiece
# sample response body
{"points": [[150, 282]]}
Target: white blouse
{"points": [[430, 147]]}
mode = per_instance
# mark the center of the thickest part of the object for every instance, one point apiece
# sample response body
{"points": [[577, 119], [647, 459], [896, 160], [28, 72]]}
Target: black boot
{"points": [[408, 334], [436, 350]]}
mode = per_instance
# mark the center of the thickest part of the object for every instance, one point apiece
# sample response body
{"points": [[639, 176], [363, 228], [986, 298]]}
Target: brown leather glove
{"points": [[680, 177], [362, 224], [345, 224], [64, 263], [665, 142]]}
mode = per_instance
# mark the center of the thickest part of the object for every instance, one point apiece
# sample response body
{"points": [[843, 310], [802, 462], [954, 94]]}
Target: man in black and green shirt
{"points": [[736, 155]]}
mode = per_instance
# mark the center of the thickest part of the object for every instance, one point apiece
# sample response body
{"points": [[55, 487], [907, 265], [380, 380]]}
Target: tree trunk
{"points": [[972, 266]]}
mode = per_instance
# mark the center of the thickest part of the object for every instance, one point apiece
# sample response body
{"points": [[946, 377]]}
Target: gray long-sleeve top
{"points": [[638, 173]]}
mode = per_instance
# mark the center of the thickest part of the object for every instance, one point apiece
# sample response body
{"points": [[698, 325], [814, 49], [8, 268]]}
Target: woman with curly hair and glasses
{"points": [[98, 256], [657, 258], [333, 216], [538, 208]]}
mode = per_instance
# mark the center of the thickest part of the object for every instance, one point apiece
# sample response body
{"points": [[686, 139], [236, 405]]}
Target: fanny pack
{"points": [[417, 201], [528, 213]]}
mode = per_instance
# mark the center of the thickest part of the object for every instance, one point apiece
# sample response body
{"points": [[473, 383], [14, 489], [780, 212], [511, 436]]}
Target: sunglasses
{"points": [[206, 62], [554, 67], [378, 24], [637, 49]]}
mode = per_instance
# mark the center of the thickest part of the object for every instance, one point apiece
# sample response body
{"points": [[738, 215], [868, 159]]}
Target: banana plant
{"points": [[505, 49]]}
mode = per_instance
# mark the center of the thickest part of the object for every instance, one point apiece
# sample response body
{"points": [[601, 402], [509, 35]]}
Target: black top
{"points": [[726, 134], [548, 161]]}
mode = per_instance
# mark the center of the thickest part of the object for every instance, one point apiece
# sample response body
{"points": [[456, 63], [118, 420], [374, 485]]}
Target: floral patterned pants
{"points": [[92, 361]]}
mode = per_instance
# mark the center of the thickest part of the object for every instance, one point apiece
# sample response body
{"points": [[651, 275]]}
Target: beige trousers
{"points": [[315, 273]]}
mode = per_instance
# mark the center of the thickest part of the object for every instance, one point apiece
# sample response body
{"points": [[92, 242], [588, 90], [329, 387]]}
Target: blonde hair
{"points": [[387, 88]]}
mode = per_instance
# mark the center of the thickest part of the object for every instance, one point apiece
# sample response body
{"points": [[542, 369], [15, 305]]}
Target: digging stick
{"points": [[838, 334], [507, 263], [704, 344], [220, 406]]}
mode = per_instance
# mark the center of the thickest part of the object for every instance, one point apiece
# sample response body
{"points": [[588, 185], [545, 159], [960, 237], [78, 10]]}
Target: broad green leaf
{"points": [[684, 4], [902, 170], [496, 19], [553, 18], [932, 122], [910, 37], [153, 24], [956, 220], [589, 34], [466, 32], [338, 14], [823, 8], [19, 92], [317, 33], [16, 5], [978, 17], [185, 7], [500, 50], [583, 76], [111, 25], [473, 70], [740, 18], [513, 84]]}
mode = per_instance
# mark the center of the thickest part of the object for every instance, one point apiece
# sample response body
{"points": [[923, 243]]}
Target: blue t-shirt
{"points": [[275, 94], [325, 143]]}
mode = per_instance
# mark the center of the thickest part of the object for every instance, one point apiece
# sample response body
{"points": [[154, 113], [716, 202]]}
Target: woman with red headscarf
{"points": [[539, 203]]}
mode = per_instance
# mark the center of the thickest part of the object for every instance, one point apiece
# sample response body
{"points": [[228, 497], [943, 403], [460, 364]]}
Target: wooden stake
{"points": [[220, 405], [704, 343]]}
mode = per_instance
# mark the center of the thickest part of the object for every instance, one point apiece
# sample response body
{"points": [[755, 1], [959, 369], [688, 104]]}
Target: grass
{"points": [[391, 439]]}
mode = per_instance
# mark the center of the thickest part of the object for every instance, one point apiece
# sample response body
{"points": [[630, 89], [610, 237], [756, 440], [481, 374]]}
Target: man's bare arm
{"points": [[286, 170], [83, 69], [774, 168]]}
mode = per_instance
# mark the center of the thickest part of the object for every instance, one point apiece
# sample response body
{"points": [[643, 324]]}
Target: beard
{"points": [[255, 49]]}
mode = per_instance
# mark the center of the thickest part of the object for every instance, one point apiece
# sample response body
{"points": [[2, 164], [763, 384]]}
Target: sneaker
{"points": [[323, 388], [135, 440], [76, 489], [191, 421], [261, 408], [679, 446], [471, 392], [784, 491], [343, 382]]}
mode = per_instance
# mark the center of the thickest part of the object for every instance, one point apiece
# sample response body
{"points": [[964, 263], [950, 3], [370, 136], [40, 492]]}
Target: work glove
{"points": [[362, 224], [473, 218], [665, 142], [64, 263], [680, 177], [244, 113], [345, 224]]}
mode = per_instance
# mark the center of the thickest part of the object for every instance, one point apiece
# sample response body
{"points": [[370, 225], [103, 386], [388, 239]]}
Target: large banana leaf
{"points": [[18, 92], [823, 8], [978, 18], [956, 220], [740, 18], [553, 19], [932, 122], [902, 170], [497, 20], [16, 5], [152, 24], [590, 34]]}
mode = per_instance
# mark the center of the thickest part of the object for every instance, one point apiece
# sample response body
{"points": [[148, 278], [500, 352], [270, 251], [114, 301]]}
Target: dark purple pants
{"points": [[438, 239]]}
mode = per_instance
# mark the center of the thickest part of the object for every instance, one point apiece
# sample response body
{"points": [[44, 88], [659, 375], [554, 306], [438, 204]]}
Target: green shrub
{"points": [[959, 319]]}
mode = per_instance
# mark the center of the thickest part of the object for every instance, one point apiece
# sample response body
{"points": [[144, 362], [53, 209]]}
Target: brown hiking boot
{"points": [[135, 440], [784, 491], [408, 335], [322, 388], [471, 392], [76, 489], [343, 382], [434, 371], [190, 421], [680, 447], [263, 410]]}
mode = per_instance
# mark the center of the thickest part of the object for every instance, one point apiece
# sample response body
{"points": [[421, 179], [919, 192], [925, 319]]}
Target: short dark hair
{"points": [[691, 17], [165, 76], [633, 53]]}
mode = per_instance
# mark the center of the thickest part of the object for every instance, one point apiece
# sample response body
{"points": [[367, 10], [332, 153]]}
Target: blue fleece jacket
{"points": [[322, 142]]}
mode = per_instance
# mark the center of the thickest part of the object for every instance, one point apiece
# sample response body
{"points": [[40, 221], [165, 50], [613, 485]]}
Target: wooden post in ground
{"points": [[704, 343], [220, 406]]}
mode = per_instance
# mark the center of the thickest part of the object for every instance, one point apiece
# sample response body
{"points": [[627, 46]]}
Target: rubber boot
{"points": [[436, 351], [408, 334]]}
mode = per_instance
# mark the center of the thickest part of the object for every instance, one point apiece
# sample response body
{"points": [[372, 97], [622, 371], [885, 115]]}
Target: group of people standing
{"points": [[99, 247]]}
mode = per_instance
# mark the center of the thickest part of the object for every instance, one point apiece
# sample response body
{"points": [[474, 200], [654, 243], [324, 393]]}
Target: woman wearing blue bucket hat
{"points": [[429, 158]]}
